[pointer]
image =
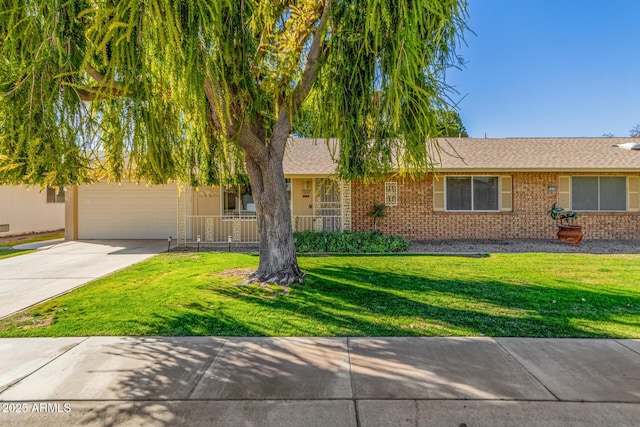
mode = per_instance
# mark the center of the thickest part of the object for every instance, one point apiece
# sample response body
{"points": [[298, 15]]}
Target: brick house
{"points": [[483, 189], [503, 188]]}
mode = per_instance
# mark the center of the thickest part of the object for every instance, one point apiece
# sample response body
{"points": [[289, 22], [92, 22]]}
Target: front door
{"points": [[327, 206]]}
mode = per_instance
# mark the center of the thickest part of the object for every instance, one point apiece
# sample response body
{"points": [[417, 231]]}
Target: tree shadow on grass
{"points": [[355, 301], [518, 309]]}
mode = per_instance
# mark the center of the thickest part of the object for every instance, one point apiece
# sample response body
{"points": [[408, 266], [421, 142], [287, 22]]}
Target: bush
{"points": [[348, 242]]}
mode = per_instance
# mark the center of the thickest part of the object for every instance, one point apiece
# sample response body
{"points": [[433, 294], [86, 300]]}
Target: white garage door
{"points": [[127, 211]]}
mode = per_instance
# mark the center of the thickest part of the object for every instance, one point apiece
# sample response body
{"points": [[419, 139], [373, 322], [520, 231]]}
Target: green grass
{"points": [[39, 238], [7, 253], [527, 295]]}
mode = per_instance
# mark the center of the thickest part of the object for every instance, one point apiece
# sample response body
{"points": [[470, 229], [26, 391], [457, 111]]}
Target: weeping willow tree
{"points": [[202, 91]]}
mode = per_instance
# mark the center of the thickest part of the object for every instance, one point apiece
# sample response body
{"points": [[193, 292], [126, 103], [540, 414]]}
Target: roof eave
{"points": [[537, 170]]}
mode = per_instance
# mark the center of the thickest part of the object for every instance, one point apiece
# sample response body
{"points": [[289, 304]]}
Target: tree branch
{"points": [[310, 70], [105, 90], [98, 93], [247, 140], [280, 133], [97, 76], [262, 49], [215, 104], [253, 146], [282, 126]]}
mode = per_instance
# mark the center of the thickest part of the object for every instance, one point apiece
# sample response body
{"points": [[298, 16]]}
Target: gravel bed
{"points": [[523, 245], [475, 247], [445, 246]]}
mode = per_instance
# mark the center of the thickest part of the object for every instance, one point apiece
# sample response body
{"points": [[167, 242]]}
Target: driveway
{"points": [[29, 279]]}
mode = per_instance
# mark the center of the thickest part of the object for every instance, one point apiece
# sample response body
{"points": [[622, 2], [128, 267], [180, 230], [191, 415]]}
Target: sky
{"points": [[549, 68]]}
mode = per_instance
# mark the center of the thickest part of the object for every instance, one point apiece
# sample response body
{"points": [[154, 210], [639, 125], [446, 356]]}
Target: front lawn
{"points": [[6, 253], [7, 242], [527, 295]]}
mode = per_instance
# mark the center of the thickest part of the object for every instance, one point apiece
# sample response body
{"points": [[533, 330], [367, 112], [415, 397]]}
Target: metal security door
{"points": [[327, 206]]}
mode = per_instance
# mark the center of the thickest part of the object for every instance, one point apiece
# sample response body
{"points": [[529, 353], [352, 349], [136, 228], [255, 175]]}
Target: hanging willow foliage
{"points": [[161, 90]]}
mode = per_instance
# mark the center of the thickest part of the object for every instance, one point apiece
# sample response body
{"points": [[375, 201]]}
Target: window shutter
{"points": [[564, 192], [438, 194], [633, 189], [506, 194]]}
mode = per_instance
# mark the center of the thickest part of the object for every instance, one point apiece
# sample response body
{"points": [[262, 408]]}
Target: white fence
{"points": [[317, 223], [225, 228]]}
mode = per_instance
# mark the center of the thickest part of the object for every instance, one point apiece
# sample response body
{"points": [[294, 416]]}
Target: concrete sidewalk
{"points": [[29, 279], [367, 382]]}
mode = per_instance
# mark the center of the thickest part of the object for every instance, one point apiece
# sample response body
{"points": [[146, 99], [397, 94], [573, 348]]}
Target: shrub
{"points": [[348, 242]]}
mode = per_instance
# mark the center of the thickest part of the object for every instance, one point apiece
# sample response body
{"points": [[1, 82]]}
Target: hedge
{"points": [[348, 242]]}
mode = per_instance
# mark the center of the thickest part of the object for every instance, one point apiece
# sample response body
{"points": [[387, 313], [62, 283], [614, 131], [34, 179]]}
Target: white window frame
{"points": [[626, 193], [446, 196]]}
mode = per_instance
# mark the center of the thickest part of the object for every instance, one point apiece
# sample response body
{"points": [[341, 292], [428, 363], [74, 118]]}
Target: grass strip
{"points": [[8, 253]]}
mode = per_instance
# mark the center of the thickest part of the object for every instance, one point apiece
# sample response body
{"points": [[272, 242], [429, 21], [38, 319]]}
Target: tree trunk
{"points": [[278, 262]]}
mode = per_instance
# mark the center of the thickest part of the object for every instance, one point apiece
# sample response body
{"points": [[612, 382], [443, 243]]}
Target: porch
{"points": [[217, 215]]}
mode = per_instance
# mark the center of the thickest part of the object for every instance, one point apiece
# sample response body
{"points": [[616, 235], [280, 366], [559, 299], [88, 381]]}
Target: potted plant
{"points": [[377, 213], [568, 232]]}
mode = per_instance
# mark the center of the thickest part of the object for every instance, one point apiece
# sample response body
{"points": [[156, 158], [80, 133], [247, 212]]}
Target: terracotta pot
{"points": [[570, 234]]}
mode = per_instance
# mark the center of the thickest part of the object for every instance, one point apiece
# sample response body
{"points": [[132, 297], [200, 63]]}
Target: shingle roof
{"points": [[308, 156], [312, 157], [543, 154]]}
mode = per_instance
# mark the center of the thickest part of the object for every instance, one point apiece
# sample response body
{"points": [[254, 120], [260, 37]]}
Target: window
{"points": [[55, 195], [599, 193], [238, 201], [472, 193]]}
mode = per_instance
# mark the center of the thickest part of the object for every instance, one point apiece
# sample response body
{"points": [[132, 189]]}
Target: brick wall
{"points": [[415, 219]]}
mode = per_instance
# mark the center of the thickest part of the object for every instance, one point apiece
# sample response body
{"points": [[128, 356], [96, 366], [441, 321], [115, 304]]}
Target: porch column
{"points": [[181, 232], [71, 213], [345, 201]]}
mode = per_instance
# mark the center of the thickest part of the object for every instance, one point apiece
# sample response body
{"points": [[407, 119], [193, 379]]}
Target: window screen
{"points": [[613, 193], [599, 193], [458, 193], [485, 193], [584, 193], [466, 193]]}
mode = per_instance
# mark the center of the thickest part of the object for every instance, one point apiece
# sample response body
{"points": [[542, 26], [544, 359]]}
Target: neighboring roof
{"points": [[309, 156], [312, 157]]}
